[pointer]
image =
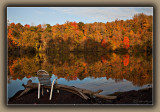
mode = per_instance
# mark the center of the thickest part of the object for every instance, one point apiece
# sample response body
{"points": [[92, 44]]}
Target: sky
{"points": [[59, 15]]}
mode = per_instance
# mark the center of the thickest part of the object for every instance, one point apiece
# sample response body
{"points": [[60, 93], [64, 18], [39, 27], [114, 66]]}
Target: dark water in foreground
{"points": [[110, 72]]}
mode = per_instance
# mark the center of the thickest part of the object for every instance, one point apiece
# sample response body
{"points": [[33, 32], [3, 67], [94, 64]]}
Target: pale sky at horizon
{"points": [[59, 15]]}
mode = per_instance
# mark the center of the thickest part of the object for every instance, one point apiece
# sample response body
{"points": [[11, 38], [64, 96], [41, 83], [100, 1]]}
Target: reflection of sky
{"points": [[15, 85], [108, 86]]}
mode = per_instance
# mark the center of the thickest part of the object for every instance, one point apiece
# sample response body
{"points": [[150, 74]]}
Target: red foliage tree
{"points": [[74, 24], [126, 42], [27, 26]]}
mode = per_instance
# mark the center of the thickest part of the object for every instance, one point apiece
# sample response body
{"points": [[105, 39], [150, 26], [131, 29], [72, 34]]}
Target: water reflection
{"points": [[126, 60], [77, 67]]}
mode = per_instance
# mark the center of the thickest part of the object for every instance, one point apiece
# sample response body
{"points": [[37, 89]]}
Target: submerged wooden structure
{"points": [[83, 93]]}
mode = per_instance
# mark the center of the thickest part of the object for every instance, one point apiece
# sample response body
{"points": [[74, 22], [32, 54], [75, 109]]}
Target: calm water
{"points": [[110, 72]]}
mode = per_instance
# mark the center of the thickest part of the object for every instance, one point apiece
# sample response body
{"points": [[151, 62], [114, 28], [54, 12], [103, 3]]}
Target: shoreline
{"points": [[142, 96]]}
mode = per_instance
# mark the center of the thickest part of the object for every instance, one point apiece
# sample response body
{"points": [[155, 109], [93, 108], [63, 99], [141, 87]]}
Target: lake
{"points": [[110, 72]]}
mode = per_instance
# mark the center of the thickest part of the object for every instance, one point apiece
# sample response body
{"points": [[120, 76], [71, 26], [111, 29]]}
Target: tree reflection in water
{"points": [[73, 66]]}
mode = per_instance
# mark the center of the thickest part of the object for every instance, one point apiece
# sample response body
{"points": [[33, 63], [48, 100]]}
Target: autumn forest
{"points": [[121, 49], [133, 35]]}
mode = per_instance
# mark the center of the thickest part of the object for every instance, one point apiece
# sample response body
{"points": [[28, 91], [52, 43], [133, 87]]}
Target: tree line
{"points": [[134, 35]]}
